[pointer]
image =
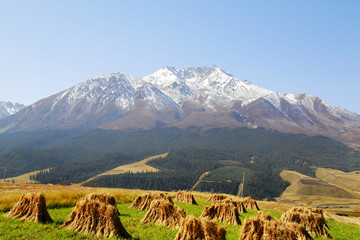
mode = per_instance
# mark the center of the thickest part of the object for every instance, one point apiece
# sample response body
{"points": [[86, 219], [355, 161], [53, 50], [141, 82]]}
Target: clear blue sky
{"points": [[294, 46]]}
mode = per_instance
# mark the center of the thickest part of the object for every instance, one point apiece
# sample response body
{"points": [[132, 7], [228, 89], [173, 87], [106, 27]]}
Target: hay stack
{"points": [[199, 229], [250, 203], [222, 212], [263, 226], [30, 207], [165, 213], [312, 219], [96, 215], [216, 197], [143, 202], [101, 197], [238, 204], [185, 197]]}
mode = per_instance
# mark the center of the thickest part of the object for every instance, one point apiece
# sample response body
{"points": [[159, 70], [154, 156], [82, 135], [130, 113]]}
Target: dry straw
{"points": [[250, 203], [193, 228], [165, 213], [96, 215], [185, 197], [30, 207], [216, 197], [311, 218], [143, 202], [238, 204], [222, 212], [264, 227]]}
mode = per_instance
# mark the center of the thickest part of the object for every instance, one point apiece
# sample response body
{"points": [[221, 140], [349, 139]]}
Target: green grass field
{"points": [[16, 229]]}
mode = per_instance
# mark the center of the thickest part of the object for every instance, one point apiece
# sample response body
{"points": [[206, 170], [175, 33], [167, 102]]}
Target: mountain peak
{"points": [[215, 68], [168, 68], [193, 70], [169, 75], [9, 108], [205, 71], [115, 76]]}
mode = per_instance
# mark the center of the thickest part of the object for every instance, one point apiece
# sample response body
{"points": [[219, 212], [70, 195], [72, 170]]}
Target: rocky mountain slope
{"points": [[9, 108], [204, 97]]}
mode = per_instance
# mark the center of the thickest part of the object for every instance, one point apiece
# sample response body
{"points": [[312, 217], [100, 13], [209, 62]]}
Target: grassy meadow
{"points": [[61, 200]]}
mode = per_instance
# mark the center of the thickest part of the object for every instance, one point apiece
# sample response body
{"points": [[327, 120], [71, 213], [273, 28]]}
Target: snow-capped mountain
{"points": [[9, 108], [205, 97], [193, 84]]}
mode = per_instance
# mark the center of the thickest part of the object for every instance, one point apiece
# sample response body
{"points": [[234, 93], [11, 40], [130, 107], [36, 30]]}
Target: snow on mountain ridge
{"points": [[155, 98], [9, 108], [206, 86], [186, 84], [99, 91], [308, 101], [203, 97]]}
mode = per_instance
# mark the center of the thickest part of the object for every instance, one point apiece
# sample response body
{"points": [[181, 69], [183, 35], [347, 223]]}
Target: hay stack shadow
{"points": [[96, 215], [263, 226], [193, 228], [238, 204], [222, 212], [165, 213], [311, 218], [143, 202], [185, 197], [30, 207]]}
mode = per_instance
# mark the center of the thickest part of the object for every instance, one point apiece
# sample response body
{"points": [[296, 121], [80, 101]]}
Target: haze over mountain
{"points": [[205, 97], [9, 108]]}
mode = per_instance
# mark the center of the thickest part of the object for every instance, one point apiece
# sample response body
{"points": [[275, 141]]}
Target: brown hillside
{"points": [[311, 191], [349, 181]]}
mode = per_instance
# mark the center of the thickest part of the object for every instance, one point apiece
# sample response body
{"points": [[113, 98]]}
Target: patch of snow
{"points": [[9, 108]]}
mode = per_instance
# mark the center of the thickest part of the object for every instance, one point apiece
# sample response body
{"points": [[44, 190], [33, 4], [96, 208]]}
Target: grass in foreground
{"points": [[16, 229], [344, 231]]}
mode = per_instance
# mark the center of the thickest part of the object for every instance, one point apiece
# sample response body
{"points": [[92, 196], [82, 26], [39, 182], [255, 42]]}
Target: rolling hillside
{"points": [[25, 178], [345, 180], [76, 156], [137, 167], [313, 191]]}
